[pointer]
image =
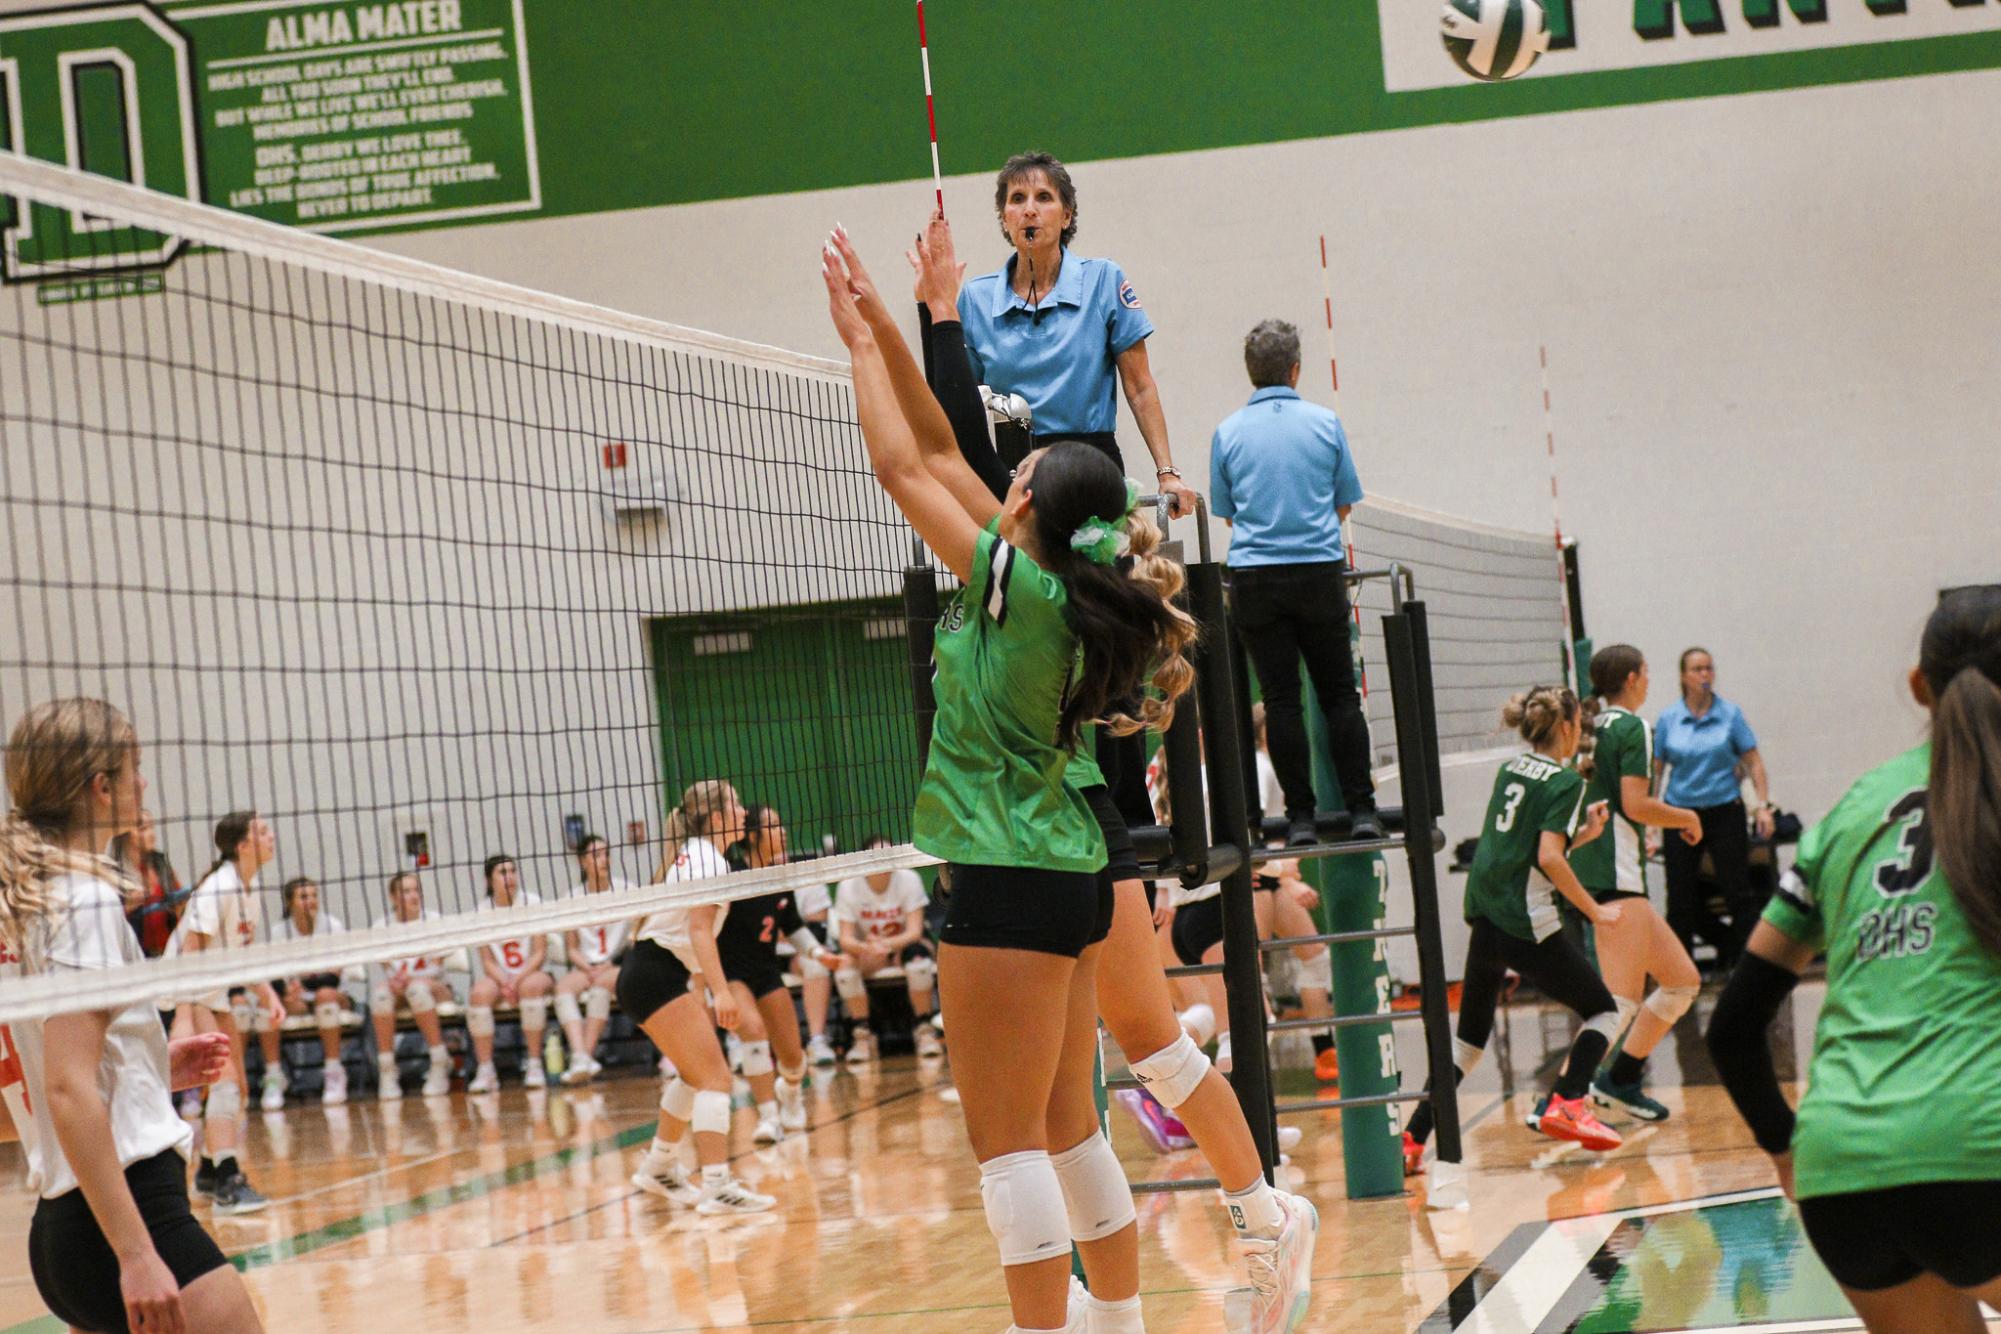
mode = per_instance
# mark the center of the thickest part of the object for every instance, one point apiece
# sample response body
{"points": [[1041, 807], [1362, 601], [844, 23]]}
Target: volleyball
{"points": [[1494, 39]]}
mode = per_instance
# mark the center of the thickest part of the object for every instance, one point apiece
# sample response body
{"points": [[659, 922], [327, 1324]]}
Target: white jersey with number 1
{"points": [[599, 945]]}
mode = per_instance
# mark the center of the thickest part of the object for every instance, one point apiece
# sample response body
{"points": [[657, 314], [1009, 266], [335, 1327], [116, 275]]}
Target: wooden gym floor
{"points": [[510, 1212]]}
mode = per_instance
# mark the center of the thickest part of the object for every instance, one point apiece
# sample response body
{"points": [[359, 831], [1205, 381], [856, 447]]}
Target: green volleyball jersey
{"points": [[1532, 793], [1615, 861], [994, 792], [1905, 1084], [1083, 771]]}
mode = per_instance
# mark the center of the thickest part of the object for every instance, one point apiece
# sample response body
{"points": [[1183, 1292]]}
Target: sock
{"points": [[226, 1166], [208, 1161], [1115, 1317], [663, 1149], [1626, 1069], [767, 1111], [1585, 1055], [714, 1174], [1322, 1042], [439, 1056], [1255, 1210]]}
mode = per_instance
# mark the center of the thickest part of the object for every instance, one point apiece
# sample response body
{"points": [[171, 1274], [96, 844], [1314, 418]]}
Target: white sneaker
{"points": [[668, 1180], [438, 1079], [1281, 1272], [581, 1071], [535, 1077], [791, 1106], [819, 1052], [1289, 1138], [274, 1091], [733, 1197], [1223, 1060], [767, 1132], [388, 1081], [928, 1046], [486, 1079], [333, 1092], [863, 1050]]}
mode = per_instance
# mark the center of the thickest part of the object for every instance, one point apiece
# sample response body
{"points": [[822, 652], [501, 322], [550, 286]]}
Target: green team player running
{"points": [[1895, 1154], [1619, 771], [1532, 825]]}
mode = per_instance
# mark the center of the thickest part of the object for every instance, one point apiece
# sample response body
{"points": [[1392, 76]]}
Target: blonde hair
{"points": [[1173, 674], [55, 751], [699, 804], [1536, 713]]}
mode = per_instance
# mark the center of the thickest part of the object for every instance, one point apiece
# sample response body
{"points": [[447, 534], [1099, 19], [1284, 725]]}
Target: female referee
{"points": [[1895, 1154], [1045, 634], [1278, 1230]]}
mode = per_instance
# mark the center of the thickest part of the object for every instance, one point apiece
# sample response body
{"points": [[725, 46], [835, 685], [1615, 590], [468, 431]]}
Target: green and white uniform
{"points": [[994, 792], [1615, 862], [1905, 1085], [1532, 794]]}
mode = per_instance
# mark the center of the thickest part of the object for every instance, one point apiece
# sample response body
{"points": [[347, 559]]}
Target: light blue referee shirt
{"points": [[1280, 470], [1060, 354], [1702, 753]]}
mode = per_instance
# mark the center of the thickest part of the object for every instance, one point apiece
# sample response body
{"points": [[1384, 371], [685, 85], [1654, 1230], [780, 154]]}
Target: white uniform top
{"points": [[422, 965], [1270, 795], [1156, 791], [326, 924], [599, 945], [879, 916], [86, 928], [225, 908], [669, 929], [13, 1082], [510, 957], [814, 901]]}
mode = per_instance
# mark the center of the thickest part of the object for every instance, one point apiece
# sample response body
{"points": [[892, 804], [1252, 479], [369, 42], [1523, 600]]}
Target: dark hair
{"points": [[294, 885], [1538, 711], [586, 843], [1611, 666], [757, 819], [1270, 352], [1960, 657], [230, 831], [1126, 622], [1023, 164], [877, 841], [494, 863]]}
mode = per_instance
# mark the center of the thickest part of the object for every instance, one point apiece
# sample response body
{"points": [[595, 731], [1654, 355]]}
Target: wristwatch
{"points": [[1169, 471]]}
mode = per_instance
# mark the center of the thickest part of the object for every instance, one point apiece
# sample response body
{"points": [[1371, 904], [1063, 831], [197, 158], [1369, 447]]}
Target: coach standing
{"points": [[1282, 476]]}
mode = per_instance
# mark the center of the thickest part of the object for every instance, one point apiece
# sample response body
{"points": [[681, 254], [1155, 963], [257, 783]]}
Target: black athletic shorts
{"points": [[650, 978], [759, 969], [1877, 1239], [1197, 926], [1021, 908], [1614, 895], [75, 1269], [317, 981]]}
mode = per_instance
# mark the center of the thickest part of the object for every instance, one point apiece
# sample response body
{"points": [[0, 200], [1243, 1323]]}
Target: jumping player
{"points": [[583, 995], [513, 975]]}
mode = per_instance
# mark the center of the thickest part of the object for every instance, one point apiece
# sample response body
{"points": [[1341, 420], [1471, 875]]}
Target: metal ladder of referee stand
{"points": [[1219, 708]]}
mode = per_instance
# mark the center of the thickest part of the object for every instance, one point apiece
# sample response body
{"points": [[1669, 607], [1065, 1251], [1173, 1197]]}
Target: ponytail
{"points": [[55, 751], [1961, 662], [1586, 762], [230, 831], [687, 820], [1536, 713]]}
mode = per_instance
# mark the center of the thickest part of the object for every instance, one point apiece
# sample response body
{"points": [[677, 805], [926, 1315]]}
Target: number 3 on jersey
{"points": [[1912, 865], [1506, 819]]}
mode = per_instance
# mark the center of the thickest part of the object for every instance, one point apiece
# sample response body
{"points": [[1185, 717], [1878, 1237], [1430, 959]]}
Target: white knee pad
{"points": [[567, 1009], [1173, 1073], [1465, 1056], [1627, 1007], [921, 973], [327, 1014], [225, 1101], [534, 1013], [479, 1021], [1200, 1023], [1606, 1023], [677, 1099], [1024, 1206], [381, 999], [243, 1013], [810, 968], [756, 1059], [421, 999], [1671, 1003], [597, 1003], [848, 981], [712, 1113], [1095, 1194]]}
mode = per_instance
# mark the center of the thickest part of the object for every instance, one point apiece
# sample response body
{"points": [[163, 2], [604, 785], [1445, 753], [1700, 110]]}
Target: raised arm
{"points": [[953, 380]]}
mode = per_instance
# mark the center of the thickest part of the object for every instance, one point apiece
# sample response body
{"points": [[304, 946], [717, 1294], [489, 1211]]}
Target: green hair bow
{"points": [[1100, 542]]}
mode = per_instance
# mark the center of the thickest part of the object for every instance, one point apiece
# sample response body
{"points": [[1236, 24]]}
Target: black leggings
{"points": [[1557, 969], [1726, 837]]}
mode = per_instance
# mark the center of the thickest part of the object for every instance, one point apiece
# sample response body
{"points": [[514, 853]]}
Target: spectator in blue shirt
{"points": [[1708, 749], [1281, 475]]}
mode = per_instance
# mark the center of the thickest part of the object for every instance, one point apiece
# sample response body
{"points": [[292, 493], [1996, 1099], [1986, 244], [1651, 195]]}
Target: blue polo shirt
{"points": [[1702, 753], [1064, 362], [1279, 469]]}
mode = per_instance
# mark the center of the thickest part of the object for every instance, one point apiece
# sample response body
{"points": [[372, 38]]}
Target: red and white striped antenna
{"points": [[930, 111], [1556, 520], [1334, 374]]}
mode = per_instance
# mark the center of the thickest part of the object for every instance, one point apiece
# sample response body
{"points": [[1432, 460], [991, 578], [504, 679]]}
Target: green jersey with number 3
{"points": [[1615, 861], [1532, 794], [1905, 1085]]}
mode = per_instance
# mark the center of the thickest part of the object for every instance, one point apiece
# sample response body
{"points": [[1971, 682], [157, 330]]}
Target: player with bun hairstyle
{"points": [[660, 985], [1535, 820], [113, 1245], [1045, 636], [419, 984], [1894, 1156], [584, 994]]}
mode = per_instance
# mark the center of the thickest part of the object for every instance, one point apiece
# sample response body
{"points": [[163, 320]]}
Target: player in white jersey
{"points": [[417, 983], [583, 995], [510, 973], [879, 921], [816, 984], [113, 1245], [317, 994], [658, 987], [225, 912]]}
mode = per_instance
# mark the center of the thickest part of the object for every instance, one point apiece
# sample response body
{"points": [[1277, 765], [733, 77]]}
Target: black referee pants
{"points": [[1726, 837]]}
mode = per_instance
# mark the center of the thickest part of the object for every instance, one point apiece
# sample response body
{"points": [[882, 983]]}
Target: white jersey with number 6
{"points": [[510, 957]]}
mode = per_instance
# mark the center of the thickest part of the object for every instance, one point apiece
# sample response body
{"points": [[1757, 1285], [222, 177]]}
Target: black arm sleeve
{"points": [[959, 394], [1740, 1046], [789, 919]]}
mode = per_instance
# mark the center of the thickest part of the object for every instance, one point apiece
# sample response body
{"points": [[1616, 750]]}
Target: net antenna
{"points": [[1347, 528], [930, 110], [334, 529], [1570, 675]]}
